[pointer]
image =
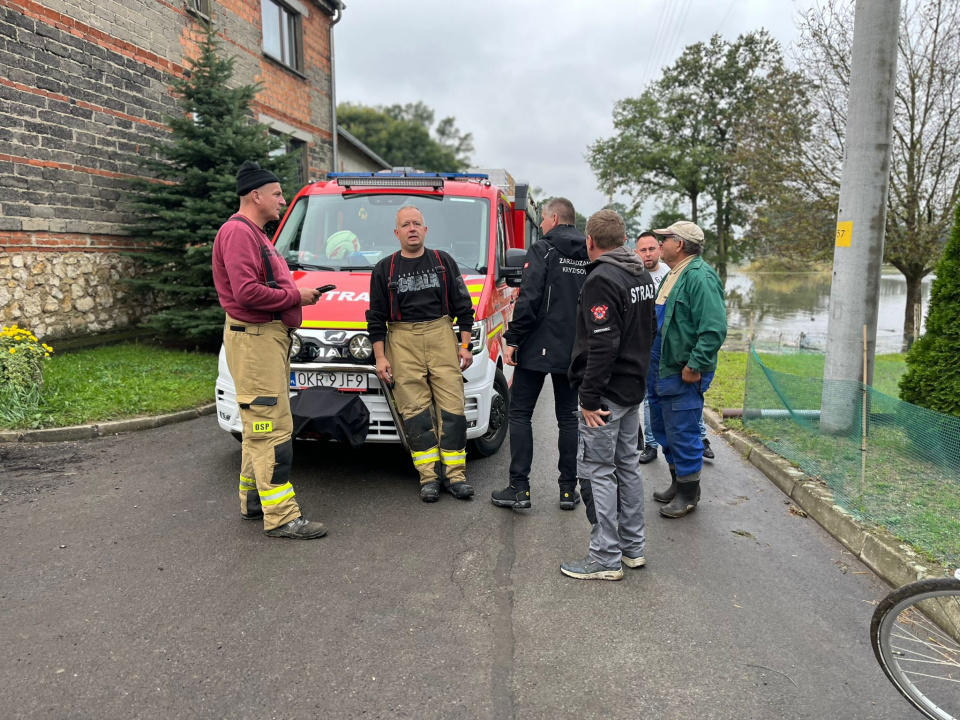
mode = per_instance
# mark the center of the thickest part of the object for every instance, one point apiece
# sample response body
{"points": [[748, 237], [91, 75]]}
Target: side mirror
{"points": [[513, 272]]}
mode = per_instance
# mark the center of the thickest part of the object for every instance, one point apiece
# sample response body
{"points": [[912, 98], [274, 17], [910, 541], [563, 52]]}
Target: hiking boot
{"points": [[511, 497], [588, 569], [665, 496], [459, 490], [430, 492], [633, 562], [569, 498], [707, 450], [685, 501], [299, 529], [649, 454]]}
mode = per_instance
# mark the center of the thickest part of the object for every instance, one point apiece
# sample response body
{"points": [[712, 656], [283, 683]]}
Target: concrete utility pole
{"points": [[861, 219]]}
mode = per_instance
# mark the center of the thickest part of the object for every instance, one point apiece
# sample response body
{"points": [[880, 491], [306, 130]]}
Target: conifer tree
{"points": [[194, 190], [932, 379]]}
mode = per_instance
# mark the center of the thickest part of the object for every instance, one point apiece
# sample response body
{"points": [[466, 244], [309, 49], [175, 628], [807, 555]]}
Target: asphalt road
{"points": [[131, 588]]}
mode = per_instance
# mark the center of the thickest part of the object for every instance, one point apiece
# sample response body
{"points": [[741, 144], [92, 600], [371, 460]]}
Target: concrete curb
{"points": [[115, 427], [892, 560]]}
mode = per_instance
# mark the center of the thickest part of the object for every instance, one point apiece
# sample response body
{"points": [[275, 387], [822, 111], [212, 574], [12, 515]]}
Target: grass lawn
{"points": [[118, 381], [908, 484], [729, 383]]}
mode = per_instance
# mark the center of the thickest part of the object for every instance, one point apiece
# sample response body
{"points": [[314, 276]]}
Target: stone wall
{"points": [[62, 294]]}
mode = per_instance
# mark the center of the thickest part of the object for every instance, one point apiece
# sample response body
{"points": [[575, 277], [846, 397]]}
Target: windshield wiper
{"points": [[294, 265]]}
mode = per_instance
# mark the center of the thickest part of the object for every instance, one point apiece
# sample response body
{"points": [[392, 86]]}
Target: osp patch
{"points": [[599, 313]]}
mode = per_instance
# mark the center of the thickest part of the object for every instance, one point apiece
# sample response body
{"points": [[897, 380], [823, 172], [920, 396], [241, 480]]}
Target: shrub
{"points": [[932, 379], [21, 375]]}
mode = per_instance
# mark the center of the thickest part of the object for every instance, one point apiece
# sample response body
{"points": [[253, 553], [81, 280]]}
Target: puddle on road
{"points": [[28, 470]]}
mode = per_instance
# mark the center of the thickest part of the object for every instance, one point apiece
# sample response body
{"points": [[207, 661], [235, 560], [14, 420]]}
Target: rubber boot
{"points": [[686, 499], [665, 496]]}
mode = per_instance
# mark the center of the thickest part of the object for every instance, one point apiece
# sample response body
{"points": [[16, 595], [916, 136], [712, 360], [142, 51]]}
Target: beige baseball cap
{"points": [[684, 229]]}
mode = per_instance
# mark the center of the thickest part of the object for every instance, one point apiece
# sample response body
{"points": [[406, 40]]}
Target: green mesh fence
{"points": [[907, 479]]}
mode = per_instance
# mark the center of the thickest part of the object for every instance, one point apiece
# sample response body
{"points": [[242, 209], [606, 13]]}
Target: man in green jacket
{"points": [[691, 327]]}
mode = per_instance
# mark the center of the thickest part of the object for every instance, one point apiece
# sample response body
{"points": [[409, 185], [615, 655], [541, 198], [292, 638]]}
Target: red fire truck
{"points": [[336, 231]]}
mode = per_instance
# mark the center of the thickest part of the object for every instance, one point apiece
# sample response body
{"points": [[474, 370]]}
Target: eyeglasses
{"points": [[663, 238]]}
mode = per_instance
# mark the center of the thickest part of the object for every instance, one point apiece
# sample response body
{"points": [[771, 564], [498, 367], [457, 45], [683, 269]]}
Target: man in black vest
{"points": [[538, 342]]}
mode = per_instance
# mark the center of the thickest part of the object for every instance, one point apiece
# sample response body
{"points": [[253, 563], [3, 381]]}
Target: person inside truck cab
{"points": [[415, 294]]}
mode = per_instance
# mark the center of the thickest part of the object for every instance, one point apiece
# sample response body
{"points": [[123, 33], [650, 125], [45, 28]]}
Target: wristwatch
{"points": [[465, 346]]}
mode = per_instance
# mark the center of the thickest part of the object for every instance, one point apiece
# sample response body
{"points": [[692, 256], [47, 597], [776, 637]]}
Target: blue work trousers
{"points": [[676, 408], [647, 435]]}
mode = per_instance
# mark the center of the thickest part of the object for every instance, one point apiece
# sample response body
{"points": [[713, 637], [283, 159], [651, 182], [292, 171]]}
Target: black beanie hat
{"points": [[251, 176]]}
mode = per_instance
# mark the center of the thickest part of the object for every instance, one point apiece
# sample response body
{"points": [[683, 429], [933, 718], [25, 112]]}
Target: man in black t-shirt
{"points": [[414, 296]]}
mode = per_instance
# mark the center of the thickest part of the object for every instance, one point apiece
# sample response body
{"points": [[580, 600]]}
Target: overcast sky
{"points": [[535, 81]]}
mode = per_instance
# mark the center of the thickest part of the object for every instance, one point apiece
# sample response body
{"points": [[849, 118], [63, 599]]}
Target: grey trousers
{"points": [[608, 466]]}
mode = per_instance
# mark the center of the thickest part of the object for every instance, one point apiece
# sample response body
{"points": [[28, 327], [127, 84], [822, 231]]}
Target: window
{"points": [[199, 7], [459, 226], [293, 145], [281, 33]]}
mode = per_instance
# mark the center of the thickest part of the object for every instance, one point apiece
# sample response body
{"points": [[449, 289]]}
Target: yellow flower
{"points": [[12, 350], [46, 354]]}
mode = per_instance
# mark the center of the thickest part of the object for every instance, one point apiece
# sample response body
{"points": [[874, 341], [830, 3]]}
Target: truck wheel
{"points": [[489, 443], [237, 436]]}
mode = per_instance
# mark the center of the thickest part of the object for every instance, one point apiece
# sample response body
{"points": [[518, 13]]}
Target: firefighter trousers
{"points": [[425, 362], [258, 357]]}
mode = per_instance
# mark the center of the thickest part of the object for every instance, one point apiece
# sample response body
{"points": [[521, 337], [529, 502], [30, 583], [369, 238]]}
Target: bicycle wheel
{"points": [[915, 632]]}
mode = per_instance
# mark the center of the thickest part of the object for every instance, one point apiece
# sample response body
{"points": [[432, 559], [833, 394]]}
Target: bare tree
{"points": [[925, 164]]}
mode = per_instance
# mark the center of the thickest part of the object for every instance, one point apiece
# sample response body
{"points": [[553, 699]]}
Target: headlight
{"points": [[360, 347], [478, 337], [296, 344]]}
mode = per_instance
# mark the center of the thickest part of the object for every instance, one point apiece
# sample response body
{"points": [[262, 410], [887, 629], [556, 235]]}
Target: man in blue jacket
{"points": [[538, 342]]}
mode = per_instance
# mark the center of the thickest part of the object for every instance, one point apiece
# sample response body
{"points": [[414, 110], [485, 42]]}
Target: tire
{"points": [[918, 647], [489, 443]]}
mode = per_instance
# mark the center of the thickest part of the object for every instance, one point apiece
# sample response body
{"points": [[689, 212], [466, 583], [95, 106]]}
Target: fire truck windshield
{"points": [[353, 232]]}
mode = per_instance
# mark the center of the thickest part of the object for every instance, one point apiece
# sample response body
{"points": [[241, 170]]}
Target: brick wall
{"points": [[83, 88]]}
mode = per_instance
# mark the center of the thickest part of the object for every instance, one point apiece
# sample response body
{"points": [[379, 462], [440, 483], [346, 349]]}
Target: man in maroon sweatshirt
{"points": [[262, 304]]}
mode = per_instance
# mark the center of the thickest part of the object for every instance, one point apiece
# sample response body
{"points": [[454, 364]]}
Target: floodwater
{"points": [[793, 308]]}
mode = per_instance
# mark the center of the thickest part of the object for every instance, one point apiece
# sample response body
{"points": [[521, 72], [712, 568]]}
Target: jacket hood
{"points": [[568, 241], [624, 258]]}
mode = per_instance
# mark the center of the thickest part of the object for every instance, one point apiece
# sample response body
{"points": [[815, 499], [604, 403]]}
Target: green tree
{"points": [[401, 135], [631, 219], [682, 137], [194, 190], [932, 379], [925, 153]]}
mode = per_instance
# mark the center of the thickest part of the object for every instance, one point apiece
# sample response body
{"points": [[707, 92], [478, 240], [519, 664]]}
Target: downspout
{"points": [[337, 16]]}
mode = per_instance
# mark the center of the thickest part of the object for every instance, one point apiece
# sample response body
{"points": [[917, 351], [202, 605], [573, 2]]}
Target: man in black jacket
{"points": [[616, 325], [538, 342]]}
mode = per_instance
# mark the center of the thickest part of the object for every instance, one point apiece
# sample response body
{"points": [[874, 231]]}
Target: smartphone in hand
{"points": [[326, 288]]}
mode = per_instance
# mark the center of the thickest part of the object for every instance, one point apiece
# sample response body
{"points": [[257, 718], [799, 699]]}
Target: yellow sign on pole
{"points": [[844, 233]]}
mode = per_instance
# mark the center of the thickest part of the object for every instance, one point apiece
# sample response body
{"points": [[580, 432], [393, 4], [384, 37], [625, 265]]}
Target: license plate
{"points": [[338, 380]]}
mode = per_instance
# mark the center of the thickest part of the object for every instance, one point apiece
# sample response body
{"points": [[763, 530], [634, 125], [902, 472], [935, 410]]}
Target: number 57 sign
{"points": [[844, 233]]}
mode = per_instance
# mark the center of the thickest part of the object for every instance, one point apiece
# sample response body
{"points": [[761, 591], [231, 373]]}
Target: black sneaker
{"points": [[707, 450], [299, 529], [633, 562], [430, 492], [588, 569], [569, 498], [253, 516], [460, 490], [649, 454], [511, 497]]}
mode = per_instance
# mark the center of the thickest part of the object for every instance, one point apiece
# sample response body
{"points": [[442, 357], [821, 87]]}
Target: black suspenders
{"points": [[395, 298], [269, 278]]}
